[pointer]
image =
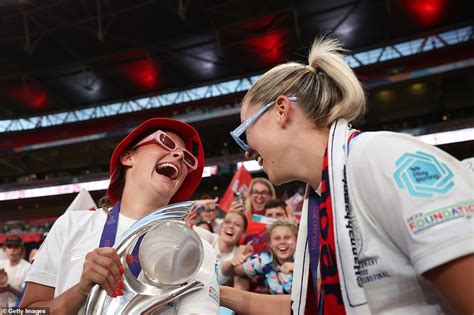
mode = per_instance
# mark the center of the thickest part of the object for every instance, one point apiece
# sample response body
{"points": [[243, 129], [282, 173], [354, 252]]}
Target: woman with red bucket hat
{"points": [[159, 162]]}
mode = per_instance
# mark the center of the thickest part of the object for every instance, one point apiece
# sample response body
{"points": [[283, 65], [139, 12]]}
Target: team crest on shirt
{"points": [[422, 175]]}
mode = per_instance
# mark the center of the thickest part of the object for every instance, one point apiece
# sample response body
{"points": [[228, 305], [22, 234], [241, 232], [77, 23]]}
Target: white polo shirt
{"points": [[59, 261], [412, 207]]}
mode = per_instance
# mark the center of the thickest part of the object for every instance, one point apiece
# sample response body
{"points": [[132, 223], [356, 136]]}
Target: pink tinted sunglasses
{"points": [[169, 144]]}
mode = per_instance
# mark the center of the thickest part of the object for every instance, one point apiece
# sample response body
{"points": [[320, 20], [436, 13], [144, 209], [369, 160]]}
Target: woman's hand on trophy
{"points": [[102, 266]]}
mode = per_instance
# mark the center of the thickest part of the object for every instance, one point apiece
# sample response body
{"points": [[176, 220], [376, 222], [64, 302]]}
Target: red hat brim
{"points": [[184, 131]]}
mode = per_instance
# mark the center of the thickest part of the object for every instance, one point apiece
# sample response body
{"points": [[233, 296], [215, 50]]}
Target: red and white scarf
{"points": [[339, 279]]}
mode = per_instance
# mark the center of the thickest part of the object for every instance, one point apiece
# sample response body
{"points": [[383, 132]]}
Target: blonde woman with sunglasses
{"points": [[390, 228], [159, 162], [260, 191]]}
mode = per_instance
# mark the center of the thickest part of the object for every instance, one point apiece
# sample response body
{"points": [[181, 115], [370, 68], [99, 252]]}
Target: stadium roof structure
{"points": [[65, 55]]}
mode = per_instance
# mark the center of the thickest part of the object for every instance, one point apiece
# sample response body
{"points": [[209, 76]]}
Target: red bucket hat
{"points": [[193, 145]]}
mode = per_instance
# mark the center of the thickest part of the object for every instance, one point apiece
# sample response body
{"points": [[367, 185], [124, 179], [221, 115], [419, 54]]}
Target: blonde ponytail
{"points": [[326, 55], [327, 88]]}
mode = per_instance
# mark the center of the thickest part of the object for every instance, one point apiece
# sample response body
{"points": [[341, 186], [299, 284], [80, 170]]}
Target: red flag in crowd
{"points": [[239, 183]]}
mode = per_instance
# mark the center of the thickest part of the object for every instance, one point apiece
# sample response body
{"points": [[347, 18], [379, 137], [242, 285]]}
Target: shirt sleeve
{"points": [[419, 195], [45, 267], [254, 265]]}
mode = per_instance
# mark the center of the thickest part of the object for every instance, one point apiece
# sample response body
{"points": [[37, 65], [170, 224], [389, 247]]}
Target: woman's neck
{"points": [[14, 262], [282, 261], [225, 247], [311, 149], [133, 209], [261, 212]]}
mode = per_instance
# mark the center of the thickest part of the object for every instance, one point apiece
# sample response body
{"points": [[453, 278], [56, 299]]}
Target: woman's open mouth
{"points": [[283, 249], [167, 169]]}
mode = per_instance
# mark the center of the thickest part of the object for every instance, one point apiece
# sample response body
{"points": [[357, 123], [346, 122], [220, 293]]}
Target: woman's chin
{"points": [[284, 257], [164, 190], [279, 179], [273, 179], [259, 210], [229, 240]]}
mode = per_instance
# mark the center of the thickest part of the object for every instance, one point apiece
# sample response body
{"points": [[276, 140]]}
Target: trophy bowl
{"points": [[170, 254]]}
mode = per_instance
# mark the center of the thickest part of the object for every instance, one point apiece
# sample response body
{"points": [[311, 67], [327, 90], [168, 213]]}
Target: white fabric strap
{"points": [[355, 301], [301, 265], [354, 298]]}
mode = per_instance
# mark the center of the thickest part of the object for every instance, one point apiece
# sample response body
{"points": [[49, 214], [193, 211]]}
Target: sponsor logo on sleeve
{"points": [[423, 221], [214, 294], [422, 175]]}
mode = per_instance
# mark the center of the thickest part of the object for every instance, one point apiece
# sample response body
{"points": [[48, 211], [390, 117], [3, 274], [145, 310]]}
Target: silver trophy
{"points": [[170, 255]]}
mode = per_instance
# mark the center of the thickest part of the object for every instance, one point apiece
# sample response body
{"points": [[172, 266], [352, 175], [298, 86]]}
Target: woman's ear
{"points": [[283, 107], [126, 158]]}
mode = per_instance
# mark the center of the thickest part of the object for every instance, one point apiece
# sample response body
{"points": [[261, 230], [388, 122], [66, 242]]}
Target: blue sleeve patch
{"points": [[422, 175]]}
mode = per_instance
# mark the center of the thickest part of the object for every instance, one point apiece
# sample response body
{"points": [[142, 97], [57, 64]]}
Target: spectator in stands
{"points": [[159, 162], [226, 243], [34, 251], [209, 212], [12, 271], [386, 241], [260, 191], [276, 209], [275, 265], [204, 225]]}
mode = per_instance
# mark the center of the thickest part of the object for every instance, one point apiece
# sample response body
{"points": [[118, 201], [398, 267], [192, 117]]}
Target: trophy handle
{"points": [[140, 305], [140, 297]]}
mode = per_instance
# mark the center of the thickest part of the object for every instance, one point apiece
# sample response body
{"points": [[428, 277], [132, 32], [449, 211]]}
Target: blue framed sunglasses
{"points": [[237, 132]]}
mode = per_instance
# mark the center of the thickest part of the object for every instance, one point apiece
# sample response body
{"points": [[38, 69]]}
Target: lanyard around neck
{"points": [[109, 234], [313, 236]]}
